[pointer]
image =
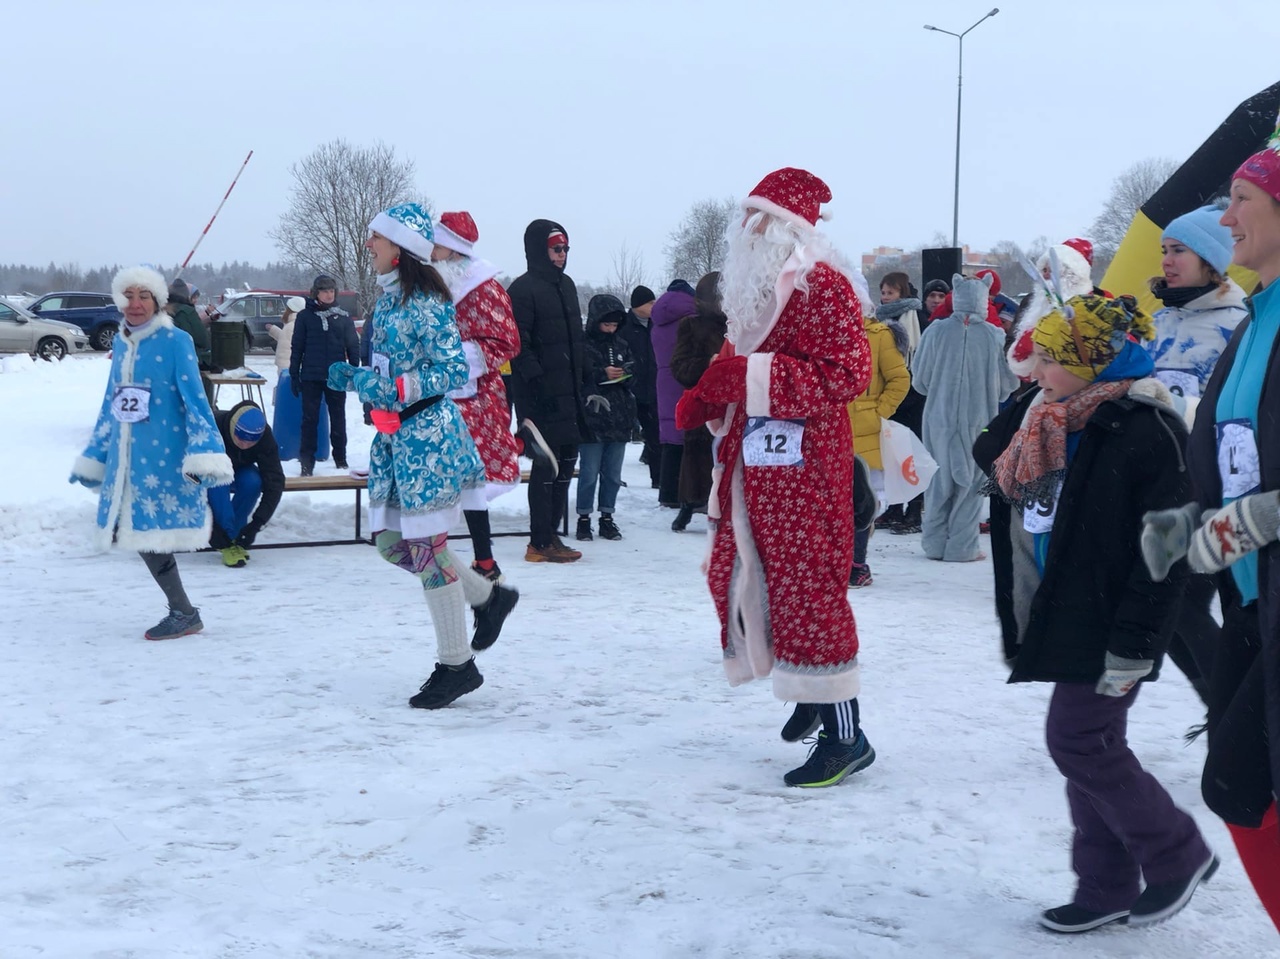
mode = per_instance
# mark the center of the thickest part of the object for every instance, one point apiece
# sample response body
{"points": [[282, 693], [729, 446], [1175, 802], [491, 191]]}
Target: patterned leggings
{"points": [[428, 559]]}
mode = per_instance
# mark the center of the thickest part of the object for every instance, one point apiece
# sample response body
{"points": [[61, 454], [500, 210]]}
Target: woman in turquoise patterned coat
{"points": [[155, 448], [423, 456]]}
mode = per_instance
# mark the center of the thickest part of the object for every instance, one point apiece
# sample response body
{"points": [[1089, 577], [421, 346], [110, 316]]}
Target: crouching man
{"points": [[241, 510]]}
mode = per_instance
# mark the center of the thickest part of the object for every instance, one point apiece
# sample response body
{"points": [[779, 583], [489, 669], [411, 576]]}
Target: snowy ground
{"points": [[263, 790]]}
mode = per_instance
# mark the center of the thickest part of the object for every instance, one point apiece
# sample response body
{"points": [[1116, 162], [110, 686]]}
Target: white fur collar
{"points": [[161, 321]]}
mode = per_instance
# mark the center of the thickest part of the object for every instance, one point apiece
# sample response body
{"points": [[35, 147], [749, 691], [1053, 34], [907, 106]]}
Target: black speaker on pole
{"points": [[941, 263]]}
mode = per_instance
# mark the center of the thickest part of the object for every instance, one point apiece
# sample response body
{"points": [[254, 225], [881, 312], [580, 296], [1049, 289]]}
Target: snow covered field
{"points": [[263, 790]]}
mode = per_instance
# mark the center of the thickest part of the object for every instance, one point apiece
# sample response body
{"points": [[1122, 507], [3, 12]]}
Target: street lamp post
{"points": [[955, 217]]}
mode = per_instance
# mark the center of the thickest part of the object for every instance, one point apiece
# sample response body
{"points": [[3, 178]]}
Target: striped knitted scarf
{"points": [[1030, 468]]}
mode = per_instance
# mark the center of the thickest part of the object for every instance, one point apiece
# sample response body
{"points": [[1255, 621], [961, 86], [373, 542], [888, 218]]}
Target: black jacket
{"points": [[547, 373], [1096, 595], [322, 337], [265, 455], [601, 350], [644, 382]]}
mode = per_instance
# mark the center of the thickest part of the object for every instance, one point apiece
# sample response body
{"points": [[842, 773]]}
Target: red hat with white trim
{"points": [[791, 194], [457, 231], [1263, 168]]}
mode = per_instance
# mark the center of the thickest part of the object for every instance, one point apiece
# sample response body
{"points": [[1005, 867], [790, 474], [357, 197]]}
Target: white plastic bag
{"points": [[908, 467]]}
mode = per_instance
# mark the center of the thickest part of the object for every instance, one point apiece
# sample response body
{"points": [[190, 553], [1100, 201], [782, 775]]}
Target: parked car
{"points": [[95, 313], [259, 309], [23, 332]]}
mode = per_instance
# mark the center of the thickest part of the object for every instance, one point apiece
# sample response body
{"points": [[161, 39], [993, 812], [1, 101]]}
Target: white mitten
{"points": [[1166, 537], [1121, 675], [1242, 527]]}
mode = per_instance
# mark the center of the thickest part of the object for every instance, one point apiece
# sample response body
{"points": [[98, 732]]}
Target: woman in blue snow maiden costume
{"points": [[423, 457], [155, 448]]}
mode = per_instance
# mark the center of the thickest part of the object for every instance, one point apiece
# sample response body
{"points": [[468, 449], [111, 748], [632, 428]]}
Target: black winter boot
{"points": [[681, 522], [584, 529], [608, 528]]}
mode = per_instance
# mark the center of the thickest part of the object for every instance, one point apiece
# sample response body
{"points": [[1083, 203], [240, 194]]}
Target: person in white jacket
{"points": [[283, 334]]}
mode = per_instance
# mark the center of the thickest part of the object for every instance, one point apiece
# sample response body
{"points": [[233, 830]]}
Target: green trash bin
{"points": [[227, 343]]}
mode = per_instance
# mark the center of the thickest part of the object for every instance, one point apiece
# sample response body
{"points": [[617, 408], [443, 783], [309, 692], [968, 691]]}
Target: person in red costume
{"points": [[776, 396]]}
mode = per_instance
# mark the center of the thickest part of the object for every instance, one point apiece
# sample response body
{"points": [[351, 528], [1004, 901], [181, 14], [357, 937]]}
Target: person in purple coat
{"points": [[670, 308]]}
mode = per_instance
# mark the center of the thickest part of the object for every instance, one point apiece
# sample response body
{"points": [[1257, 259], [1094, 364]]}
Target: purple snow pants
{"points": [[1126, 826]]}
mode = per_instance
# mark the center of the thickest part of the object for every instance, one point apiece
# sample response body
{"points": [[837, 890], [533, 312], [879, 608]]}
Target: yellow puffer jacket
{"points": [[889, 384]]}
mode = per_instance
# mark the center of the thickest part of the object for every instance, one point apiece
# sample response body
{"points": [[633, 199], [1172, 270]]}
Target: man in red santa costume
{"points": [[796, 356], [489, 339], [1075, 278]]}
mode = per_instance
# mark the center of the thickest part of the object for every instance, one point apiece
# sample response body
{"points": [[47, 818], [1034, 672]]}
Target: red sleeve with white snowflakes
{"points": [[484, 318]]}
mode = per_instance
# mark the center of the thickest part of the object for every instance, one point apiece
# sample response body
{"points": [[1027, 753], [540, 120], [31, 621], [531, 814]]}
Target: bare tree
{"points": [[1132, 188], [628, 273], [699, 244], [337, 190]]}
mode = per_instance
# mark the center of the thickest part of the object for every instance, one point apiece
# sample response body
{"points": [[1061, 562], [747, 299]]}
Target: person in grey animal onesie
{"points": [[961, 370]]}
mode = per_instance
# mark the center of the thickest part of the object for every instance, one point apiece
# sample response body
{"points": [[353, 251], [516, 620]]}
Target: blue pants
{"points": [[602, 462], [233, 505]]}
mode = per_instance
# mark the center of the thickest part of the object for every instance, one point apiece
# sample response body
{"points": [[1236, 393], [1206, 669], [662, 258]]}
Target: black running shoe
{"points": [[1072, 918], [804, 720], [583, 532], [491, 616], [535, 447], [446, 684], [830, 761]]}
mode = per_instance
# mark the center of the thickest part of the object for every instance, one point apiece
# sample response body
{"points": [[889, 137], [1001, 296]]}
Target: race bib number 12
{"points": [[769, 442]]}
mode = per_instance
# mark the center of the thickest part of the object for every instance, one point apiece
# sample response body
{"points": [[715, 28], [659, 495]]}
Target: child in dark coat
{"points": [[610, 411], [1077, 463]]}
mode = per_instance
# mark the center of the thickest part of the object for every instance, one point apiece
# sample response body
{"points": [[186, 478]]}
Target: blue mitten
{"points": [[375, 389], [340, 375], [84, 481]]}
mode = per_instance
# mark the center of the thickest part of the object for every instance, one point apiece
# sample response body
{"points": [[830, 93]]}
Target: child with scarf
{"points": [[1078, 462]]}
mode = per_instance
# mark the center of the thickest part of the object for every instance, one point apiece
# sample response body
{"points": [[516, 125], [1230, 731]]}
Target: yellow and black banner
{"points": [[1205, 175]]}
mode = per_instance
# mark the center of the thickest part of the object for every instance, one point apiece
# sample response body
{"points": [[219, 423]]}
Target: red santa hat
{"points": [[1075, 257], [457, 232], [1263, 168], [790, 194]]}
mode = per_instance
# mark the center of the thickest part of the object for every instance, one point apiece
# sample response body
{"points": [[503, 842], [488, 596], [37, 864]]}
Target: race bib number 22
{"points": [[131, 404]]}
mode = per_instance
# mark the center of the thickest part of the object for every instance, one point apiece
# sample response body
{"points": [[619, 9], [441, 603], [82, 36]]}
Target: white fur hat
{"points": [[144, 277], [295, 304]]}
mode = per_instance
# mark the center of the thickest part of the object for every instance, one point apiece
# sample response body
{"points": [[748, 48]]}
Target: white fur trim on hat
{"points": [[296, 304], [781, 212], [144, 277], [446, 238], [1076, 274], [410, 241]]}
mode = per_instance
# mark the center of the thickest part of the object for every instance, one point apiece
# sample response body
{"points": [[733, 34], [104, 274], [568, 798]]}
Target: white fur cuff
{"points": [[213, 466], [90, 469], [759, 370]]}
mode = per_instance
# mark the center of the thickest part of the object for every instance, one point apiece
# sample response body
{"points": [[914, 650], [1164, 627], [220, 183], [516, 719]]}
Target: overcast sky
{"points": [[125, 121]]}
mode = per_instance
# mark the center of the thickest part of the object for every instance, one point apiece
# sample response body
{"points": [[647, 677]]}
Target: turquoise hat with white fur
{"points": [[408, 226]]}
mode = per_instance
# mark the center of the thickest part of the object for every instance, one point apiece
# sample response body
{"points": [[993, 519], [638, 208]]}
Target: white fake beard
{"points": [[453, 271], [751, 269]]}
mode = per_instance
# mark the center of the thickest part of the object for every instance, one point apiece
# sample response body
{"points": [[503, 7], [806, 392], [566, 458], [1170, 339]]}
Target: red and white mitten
{"points": [[725, 381], [1237, 529]]}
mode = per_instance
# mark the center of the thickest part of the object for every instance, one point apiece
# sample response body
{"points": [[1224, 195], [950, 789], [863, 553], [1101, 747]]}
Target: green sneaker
{"points": [[234, 556]]}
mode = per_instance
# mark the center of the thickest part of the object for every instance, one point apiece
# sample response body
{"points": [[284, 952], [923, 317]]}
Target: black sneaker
{"points": [[308, 469], [804, 720], [681, 522], [608, 528], [830, 761], [1160, 900], [340, 462], [491, 615], [446, 684], [584, 529], [1073, 918], [535, 447]]}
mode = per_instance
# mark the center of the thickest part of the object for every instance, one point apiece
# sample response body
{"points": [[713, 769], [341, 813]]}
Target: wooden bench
{"points": [[321, 484]]}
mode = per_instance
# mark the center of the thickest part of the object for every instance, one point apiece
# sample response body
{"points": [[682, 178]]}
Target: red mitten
{"points": [[692, 411], [725, 381]]}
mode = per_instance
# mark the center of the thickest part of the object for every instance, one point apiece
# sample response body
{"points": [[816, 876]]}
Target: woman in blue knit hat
{"points": [[1202, 308], [1202, 305], [423, 457]]}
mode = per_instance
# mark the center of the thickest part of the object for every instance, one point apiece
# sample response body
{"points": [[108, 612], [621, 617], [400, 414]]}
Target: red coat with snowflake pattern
{"points": [[796, 616], [484, 317]]}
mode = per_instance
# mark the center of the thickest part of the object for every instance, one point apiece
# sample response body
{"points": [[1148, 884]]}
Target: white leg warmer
{"points": [[448, 616], [475, 587]]}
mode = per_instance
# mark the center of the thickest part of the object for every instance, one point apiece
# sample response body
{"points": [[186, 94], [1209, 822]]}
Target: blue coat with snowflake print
{"points": [[155, 448], [421, 469]]}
